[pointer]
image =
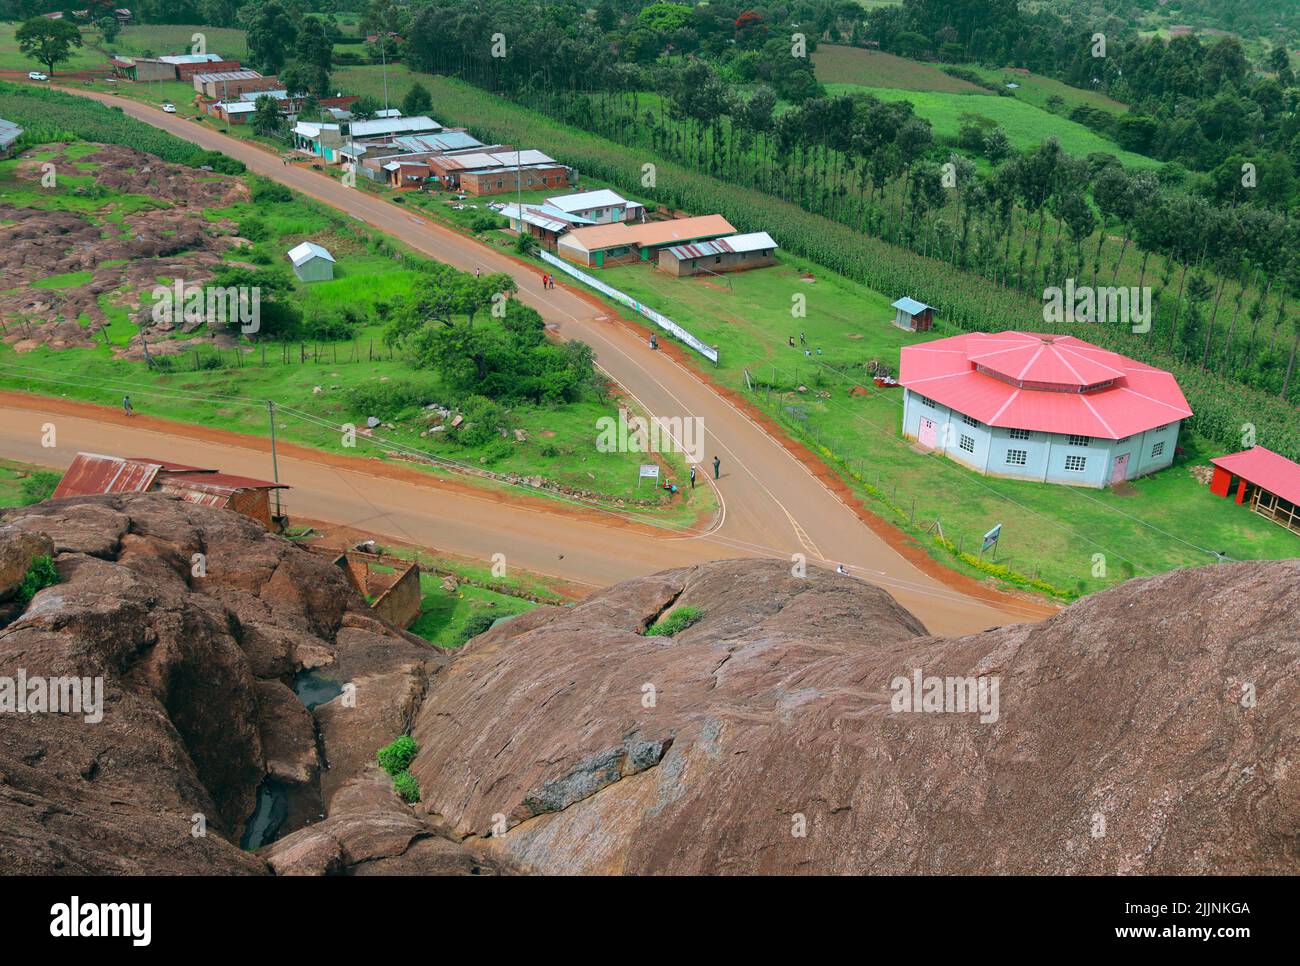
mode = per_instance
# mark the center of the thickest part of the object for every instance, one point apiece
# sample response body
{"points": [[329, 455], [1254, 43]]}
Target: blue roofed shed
{"points": [[912, 315]]}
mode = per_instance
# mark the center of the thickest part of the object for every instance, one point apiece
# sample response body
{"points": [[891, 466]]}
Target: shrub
{"points": [[407, 787], [266, 191], [41, 574], [389, 398], [486, 222], [396, 757], [478, 623], [676, 621], [39, 486]]}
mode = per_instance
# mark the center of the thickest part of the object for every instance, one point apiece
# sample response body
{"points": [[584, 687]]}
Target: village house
{"points": [[9, 135], [733, 253], [544, 222], [91, 473], [228, 84], [599, 206], [481, 173], [1267, 482], [233, 112], [1049, 408], [619, 243]]}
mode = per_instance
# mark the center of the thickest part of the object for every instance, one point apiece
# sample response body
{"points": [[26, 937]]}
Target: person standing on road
{"points": [[717, 465], [126, 406], [692, 477]]}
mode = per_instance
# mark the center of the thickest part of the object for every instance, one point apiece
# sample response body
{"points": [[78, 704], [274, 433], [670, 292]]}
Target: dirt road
{"points": [[772, 503]]}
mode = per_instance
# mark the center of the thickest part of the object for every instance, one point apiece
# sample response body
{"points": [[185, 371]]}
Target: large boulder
{"points": [[196, 657], [1149, 729]]}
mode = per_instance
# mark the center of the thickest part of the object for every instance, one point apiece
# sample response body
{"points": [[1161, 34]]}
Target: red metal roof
{"points": [[91, 473], [1033, 382], [169, 466], [228, 482], [1265, 469]]}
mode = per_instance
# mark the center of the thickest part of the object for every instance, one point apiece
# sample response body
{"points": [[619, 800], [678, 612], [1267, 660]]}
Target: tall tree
{"points": [[271, 35], [48, 42]]}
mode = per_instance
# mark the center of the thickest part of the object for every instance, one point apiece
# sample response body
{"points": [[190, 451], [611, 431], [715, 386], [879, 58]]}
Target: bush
{"points": [[39, 486], [478, 623], [389, 398], [407, 787], [41, 574], [396, 757], [486, 222], [266, 191], [676, 621]]}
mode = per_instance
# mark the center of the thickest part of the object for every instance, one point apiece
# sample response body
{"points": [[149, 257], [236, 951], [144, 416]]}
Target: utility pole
{"points": [[275, 464]]}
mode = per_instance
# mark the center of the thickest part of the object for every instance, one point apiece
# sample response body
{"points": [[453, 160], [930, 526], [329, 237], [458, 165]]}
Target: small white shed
{"points": [[311, 262]]}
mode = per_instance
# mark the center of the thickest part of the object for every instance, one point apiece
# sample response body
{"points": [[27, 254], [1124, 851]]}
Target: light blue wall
{"points": [[1045, 452]]}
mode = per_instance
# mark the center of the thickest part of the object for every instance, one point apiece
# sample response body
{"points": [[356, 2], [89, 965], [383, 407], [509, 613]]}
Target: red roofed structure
{"points": [[1044, 407], [91, 473], [1268, 482]]}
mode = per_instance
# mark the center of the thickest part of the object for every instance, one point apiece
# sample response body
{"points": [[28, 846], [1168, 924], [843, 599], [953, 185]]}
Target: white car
{"points": [[169, 108], [37, 75]]}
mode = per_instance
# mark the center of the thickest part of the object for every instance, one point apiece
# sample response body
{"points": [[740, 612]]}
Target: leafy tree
{"points": [[271, 35], [48, 42], [312, 46], [364, 108], [665, 17], [417, 101], [266, 115], [109, 28]]}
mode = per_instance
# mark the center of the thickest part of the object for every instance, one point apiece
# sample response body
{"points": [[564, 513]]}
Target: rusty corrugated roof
{"points": [[91, 473]]}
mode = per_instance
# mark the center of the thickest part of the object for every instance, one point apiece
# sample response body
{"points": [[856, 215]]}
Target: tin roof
{"points": [[1266, 469], [306, 251], [183, 59], [394, 125], [587, 200], [909, 305], [228, 75], [1054, 384], [91, 473], [620, 233]]}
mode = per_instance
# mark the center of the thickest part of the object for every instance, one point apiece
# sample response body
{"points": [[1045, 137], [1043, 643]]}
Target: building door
{"points": [[926, 437], [1119, 472]]}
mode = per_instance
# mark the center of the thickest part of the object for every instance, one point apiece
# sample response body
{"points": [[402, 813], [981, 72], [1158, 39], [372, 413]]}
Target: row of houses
{"points": [[406, 152], [170, 67]]}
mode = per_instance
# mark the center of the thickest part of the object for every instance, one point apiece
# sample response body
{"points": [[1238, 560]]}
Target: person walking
{"points": [[478, 272], [126, 406], [692, 477], [717, 465]]}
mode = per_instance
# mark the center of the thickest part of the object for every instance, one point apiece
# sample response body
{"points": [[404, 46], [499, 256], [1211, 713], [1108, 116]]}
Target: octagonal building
{"points": [[1049, 408]]}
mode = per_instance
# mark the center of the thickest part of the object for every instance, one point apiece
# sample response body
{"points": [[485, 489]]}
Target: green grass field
{"points": [[835, 64], [1037, 90], [22, 483], [1027, 126], [152, 40]]}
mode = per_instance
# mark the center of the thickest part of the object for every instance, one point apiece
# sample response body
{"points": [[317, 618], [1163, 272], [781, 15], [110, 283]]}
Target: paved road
{"points": [[772, 504]]}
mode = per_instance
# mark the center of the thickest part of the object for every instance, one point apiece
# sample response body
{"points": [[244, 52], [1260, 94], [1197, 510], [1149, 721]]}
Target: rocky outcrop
{"points": [[194, 621], [1149, 729]]}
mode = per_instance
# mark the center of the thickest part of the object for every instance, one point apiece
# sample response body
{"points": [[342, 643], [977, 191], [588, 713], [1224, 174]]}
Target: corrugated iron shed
{"points": [[91, 473]]}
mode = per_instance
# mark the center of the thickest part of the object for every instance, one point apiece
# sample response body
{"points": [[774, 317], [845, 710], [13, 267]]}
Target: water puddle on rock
{"points": [[268, 817], [314, 688]]}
